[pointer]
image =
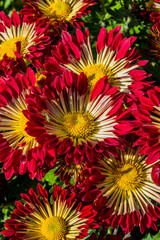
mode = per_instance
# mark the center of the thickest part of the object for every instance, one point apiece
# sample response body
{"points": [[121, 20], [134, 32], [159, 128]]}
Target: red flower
{"points": [[66, 171], [20, 39], [115, 60], [57, 12], [18, 150], [129, 195], [148, 116], [37, 219], [76, 125], [154, 7], [155, 40]]}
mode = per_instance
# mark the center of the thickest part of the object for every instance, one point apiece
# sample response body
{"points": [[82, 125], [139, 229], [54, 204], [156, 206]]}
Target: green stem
{"points": [[102, 7]]}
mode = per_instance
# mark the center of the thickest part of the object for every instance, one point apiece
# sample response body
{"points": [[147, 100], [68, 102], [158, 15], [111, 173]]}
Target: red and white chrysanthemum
{"points": [[115, 59], [38, 220], [148, 117], [75, 124], [149, 5], [18, 150], [21, 39], [153, 6], [155, 40], [68, 171], [129, 195], [57, 12]]}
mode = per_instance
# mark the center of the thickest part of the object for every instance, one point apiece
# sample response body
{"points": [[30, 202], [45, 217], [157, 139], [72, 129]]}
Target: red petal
{"points": [[8, 232], [65, 146], [101, 41], [90, 196], [15, 19]]}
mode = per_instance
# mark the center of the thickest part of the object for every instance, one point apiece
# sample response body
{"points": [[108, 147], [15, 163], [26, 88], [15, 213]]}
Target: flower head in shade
{"points": [[129, 195], [115, 59], [38, 220], [149, 5], [18, 150], [76, 124], [21, 39], [68, 171], [148, 116], [155, 40], [153, 6], [57, 12]]}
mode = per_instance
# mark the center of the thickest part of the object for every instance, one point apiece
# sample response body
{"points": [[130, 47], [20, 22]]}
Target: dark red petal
{"points": [[91, 195], [65, 146]]}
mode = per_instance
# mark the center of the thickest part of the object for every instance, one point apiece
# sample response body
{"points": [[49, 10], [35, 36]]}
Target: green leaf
{"points": [[150, 237], [50, 177], [7, 3], [156, 237]]}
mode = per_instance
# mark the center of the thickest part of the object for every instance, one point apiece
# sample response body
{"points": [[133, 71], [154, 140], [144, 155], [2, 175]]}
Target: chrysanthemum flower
{"points": [[148, 116], [38, 220], [68, 171], [149, 5], [57, 12], [18, 150], [78, 125], [132, 198], [155, 40], [153, 6], [19, 38], [115, 59]]}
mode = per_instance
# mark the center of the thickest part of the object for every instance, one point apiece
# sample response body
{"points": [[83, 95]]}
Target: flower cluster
{"points": [[91, 115]]}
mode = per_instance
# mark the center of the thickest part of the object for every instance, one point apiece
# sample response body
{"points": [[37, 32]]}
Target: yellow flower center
{"points": [[8, 47], [14, 132], [22, 124], [94, 73], [78, 125], [128, 177], [60, 10], [54, 228]]}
